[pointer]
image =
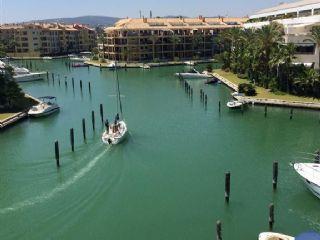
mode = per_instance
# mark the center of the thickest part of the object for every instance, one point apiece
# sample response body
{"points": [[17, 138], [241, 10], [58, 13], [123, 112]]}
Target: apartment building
{"points": [[46, 39], [164, 39], [298, 18]]}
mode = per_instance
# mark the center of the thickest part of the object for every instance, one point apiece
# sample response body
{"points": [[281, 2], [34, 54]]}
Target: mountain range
{"points": [[92, 21]]}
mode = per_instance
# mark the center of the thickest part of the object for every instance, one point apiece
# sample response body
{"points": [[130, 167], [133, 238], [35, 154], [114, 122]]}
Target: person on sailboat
{"points": [[317, 158], [107, 125]]}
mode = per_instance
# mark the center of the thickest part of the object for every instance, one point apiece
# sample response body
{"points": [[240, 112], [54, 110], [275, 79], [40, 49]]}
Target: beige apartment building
{"points": [[164, 39], [298, 18], [46, 39]]}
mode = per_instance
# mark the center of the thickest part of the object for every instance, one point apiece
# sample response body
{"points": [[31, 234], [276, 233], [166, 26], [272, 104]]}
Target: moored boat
{"points": [[189, 63], [47, 106], [77, 65], [278, 236], [274, 236], [24, 75], [145, 66], [310, 175], [194, 74], [235, 104], [47, 58]]}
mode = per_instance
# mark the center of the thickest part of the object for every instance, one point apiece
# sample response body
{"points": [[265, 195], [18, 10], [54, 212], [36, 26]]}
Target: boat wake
{"points": [[48, 195]]}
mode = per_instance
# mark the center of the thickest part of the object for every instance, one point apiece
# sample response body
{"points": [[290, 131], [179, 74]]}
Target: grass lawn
{"points": [[5, 115], [264, 93]]}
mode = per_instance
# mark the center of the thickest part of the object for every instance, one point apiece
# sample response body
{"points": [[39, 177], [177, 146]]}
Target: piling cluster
{"points": [[72, 134]]}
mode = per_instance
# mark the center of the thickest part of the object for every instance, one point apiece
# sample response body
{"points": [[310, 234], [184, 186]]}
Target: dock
{"points": [[16, 117], [267, 101]]}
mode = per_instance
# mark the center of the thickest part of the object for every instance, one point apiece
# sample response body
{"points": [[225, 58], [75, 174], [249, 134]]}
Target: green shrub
{"points": [[248, 89], [102, 60], [95, 58], [209, 68], [242, 76]]}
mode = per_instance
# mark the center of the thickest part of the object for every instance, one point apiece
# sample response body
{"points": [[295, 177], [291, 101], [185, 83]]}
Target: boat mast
{"points": [[119, 104]]}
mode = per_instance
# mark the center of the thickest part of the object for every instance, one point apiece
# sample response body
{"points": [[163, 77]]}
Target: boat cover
{"points": [[308, 236]]}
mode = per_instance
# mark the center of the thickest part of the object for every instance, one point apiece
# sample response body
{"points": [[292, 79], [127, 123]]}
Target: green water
{"points": [[167, 180]]}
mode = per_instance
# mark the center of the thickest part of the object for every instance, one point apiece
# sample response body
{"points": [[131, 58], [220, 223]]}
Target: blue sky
{"points": [[23, 10]]}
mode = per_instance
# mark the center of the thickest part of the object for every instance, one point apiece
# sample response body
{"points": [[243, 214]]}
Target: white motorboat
{"points": [[190, 63], [278, 236], [310, 175], [145, 66], [237, 94], [46, 107], [47, 58], [274, 236], [111, 65], [115, 134], [24, 75], [235, 104], [194, 74], [118, 131], [79, 59]]}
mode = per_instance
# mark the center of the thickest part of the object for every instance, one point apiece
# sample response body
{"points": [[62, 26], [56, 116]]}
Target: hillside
{"points": [[92, 21]]}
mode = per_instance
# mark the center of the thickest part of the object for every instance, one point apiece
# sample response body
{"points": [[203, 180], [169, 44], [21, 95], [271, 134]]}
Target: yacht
{"points": [[47, 58], [47, 106], [145, 66], [194, 74], [118, 131], [235, 104], [190, 63], [24, 75], [274, 236], [79, 59], [310, 175], [277, 236]]}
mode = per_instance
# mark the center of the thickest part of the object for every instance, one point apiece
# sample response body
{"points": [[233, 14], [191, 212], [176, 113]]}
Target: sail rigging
{"points": [[119, 103]]}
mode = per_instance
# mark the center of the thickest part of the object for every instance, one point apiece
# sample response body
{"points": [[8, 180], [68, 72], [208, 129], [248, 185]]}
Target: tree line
{"points": [[262, 57]]}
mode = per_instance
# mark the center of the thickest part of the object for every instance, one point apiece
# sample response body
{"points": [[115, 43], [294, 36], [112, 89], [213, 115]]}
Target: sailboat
{"points": [[116, 132]]}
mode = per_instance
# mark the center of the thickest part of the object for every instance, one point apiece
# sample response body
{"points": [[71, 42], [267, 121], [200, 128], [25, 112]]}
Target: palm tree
{"points": [[196, 40], [175, 40], [153, 38], [315, 33]]}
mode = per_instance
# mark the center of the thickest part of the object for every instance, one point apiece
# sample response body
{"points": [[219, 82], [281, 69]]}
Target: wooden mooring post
{"points": [[84, 129], [227, 186], [265, 110], [93, 121], [219, 230], [291, 114], [73, 84], [72, 139], [101, 113], [219, 106], [89, 85], [81, 85], [271, 216], [275, 175], [57, 153]]}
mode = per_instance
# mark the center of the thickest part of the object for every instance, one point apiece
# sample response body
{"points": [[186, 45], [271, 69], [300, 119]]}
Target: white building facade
{"points": [[298, 18]]}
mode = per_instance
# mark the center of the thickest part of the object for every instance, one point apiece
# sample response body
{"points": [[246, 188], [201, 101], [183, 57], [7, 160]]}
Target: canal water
{"points": [[167, 180]]}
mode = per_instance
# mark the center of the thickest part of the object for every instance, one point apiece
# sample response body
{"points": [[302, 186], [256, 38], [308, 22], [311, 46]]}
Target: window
{"points": [[305, 48], [305, 13], [316, 11]]}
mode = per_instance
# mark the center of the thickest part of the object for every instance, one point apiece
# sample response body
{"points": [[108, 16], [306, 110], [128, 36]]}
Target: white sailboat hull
{"points": [[310, 175], [111, 138]]}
